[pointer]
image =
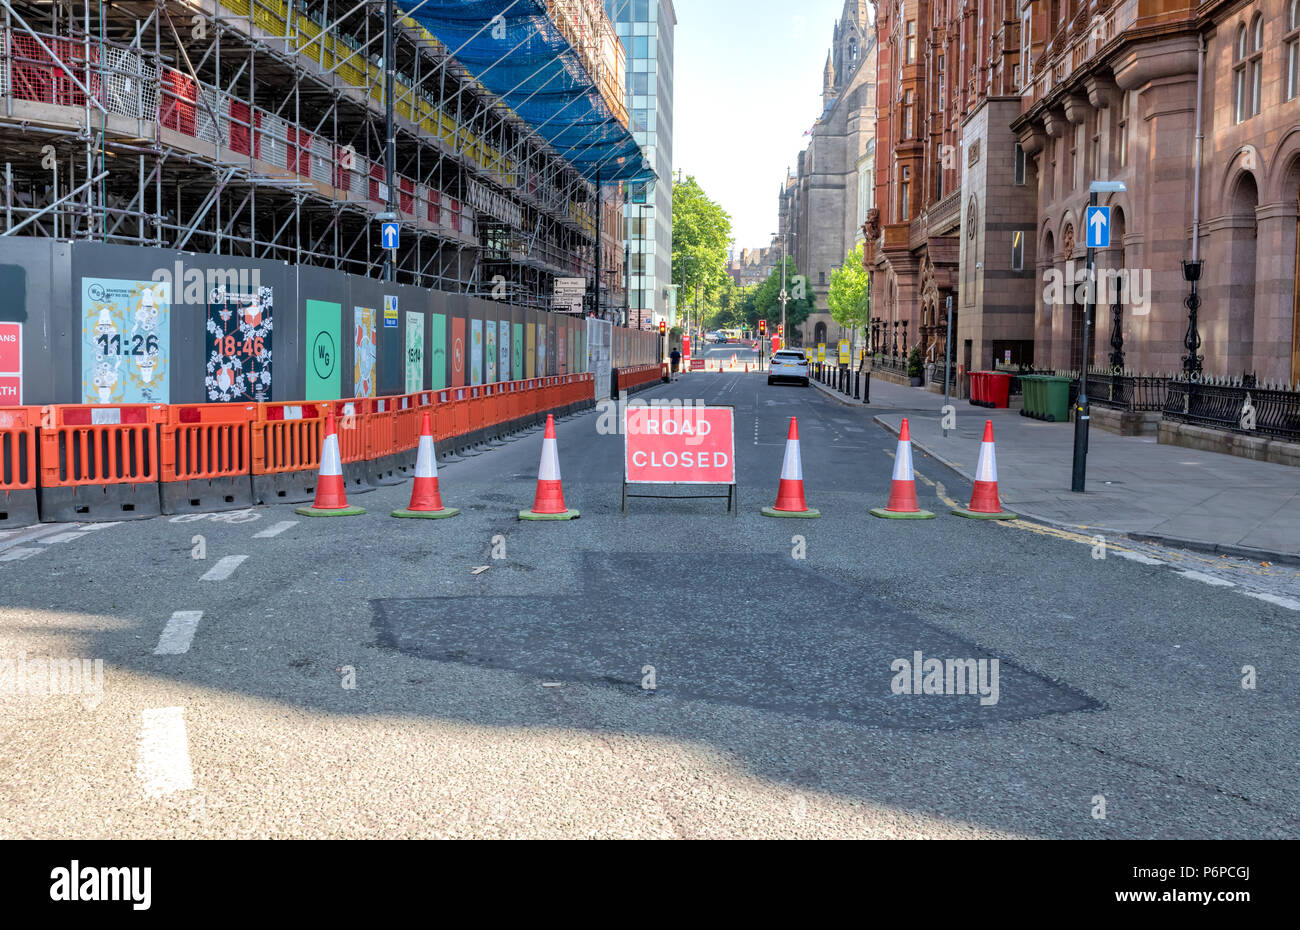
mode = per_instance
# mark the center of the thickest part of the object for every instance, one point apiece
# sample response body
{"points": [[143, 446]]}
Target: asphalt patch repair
{"points": [[752, 630]]}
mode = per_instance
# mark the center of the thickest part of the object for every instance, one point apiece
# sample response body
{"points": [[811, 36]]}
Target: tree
{"points": [[767, 300], [701, 235], [850, 293]]}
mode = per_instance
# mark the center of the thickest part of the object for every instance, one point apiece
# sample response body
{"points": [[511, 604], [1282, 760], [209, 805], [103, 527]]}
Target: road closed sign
{"points": [[680, 445]]}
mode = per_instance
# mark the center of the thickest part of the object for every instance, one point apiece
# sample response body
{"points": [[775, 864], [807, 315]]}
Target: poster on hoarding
{"points": [[530, 357], [490, 351], [519, 352], [476, 352], [504, 367], [414, 352], [438, 352], [125, 343], [457, 352], [239, 346], [541, 350], [363, 353], [322, 348], [11, 364]]}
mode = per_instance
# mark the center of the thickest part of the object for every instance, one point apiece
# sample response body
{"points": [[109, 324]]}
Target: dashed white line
{"points": [[1207, 579], [224, 568], [63, 537], [1277, 599], [276, 530], [1136, 557], [15, 555], [163, 756], [179, 633]]}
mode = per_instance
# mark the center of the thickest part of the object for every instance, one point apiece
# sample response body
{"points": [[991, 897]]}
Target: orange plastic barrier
{"points": [[99, 461], [207, 456], [18, 474], [18, 448], [288, 437]]}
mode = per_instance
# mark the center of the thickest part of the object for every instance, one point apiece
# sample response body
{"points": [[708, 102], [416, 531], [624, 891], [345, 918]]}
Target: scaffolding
{"points": [[255, 128]]}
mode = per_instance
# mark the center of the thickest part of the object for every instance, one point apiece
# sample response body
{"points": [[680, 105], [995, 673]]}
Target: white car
{"points": [[788, 365]]}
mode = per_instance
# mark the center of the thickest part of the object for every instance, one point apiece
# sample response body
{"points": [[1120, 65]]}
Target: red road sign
{"points": [[680, 445], [697, 364]]}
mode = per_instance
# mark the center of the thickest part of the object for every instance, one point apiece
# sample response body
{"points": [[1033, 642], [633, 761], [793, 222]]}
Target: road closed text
{"points": [[680, 445]]}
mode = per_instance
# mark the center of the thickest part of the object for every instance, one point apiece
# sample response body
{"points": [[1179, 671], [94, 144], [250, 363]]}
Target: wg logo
{"points": [[323, 355], [95, 292]]}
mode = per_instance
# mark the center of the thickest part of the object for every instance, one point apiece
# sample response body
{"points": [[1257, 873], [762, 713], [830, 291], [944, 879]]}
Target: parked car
{"points": [[788, 365]]}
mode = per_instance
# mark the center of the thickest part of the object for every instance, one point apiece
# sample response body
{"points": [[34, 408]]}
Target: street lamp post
{"points": [[1082, 414], [390, 134]]}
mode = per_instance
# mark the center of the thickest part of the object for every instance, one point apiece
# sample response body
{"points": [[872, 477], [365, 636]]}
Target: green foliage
{"points": [[766, 304], [850, 293], [914, 366], [701, 235]]}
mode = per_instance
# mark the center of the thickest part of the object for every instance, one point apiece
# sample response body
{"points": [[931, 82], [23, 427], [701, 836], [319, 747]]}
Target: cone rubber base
{"points": [[973, 515], [345, 512], [897, 515], [548, 517], [426, 514], [808, 514]]}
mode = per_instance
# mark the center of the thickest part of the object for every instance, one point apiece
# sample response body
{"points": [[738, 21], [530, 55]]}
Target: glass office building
{"points": [[646, 29]]}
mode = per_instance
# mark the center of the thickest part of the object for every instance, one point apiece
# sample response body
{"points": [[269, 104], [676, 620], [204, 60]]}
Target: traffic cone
{"points": [[331, 495], [549, 502], [789, 497], [902, 493], [426, 500], [984, 502]]}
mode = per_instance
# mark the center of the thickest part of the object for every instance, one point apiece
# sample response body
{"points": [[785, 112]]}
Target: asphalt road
{"points": [[354, 677]]}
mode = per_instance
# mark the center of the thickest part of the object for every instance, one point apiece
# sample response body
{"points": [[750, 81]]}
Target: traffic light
{"points": [[663, 328], [762, 327], [780, 330]]}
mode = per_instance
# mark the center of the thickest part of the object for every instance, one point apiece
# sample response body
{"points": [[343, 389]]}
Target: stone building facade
{"points": [[950, 195], [819, 202], [1118, 92]]}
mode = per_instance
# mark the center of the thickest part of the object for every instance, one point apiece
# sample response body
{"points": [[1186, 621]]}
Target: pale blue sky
{"points": [[748, 85]]}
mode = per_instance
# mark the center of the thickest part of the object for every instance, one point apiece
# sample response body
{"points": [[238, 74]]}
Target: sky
{"points": [[748, 84]]}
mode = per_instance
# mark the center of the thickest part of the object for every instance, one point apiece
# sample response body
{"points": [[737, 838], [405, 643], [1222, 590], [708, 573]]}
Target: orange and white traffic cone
{"points": [[549, 501], [426, 499], [331, 495], [985, 504], [902, 493], [789, 496]]}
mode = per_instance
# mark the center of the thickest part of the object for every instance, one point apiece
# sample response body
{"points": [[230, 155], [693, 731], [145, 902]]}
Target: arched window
{"points": [[1248, 69], [1292, 87], [853, 49]]}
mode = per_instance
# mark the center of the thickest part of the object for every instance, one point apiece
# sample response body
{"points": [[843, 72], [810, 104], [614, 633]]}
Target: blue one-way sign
{"points": [[1098, 227], [389, 235]]}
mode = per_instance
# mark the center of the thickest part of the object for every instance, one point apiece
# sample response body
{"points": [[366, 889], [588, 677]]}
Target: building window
{"points": [[1076, 172], [1020, 159], [943, 105], [1247, 75], [1017, 251], [1025, 33], [1095, 155], [905, 194], [1123, 126], [908, 120], [910, 54], [1293, 50]]}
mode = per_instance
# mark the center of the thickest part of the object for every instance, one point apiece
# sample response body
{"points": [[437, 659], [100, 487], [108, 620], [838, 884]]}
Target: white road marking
{"points": [[63, 537], [224, 568], [163, 756], [88, 527], [1277, 599], [179, 633], [15, 555], [276, 530], [1207, 579], [1136, 557]]}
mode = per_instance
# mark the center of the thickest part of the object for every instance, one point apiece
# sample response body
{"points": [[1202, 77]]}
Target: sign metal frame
{"points": [[733, 488]]}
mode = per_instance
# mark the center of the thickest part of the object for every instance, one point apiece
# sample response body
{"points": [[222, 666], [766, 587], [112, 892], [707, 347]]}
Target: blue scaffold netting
{"points": [[519, 54]]}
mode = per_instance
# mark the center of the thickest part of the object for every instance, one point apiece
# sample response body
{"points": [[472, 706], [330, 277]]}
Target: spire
{"points": [[828, 77]]}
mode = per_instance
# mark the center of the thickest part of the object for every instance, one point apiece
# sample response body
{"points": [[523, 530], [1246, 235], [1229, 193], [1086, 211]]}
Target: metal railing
{"points": [[1236, 408], [1131, 393]]}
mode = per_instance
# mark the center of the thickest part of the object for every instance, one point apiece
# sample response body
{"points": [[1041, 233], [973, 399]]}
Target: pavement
{"points": [[1135, 486], [678, 672]]}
